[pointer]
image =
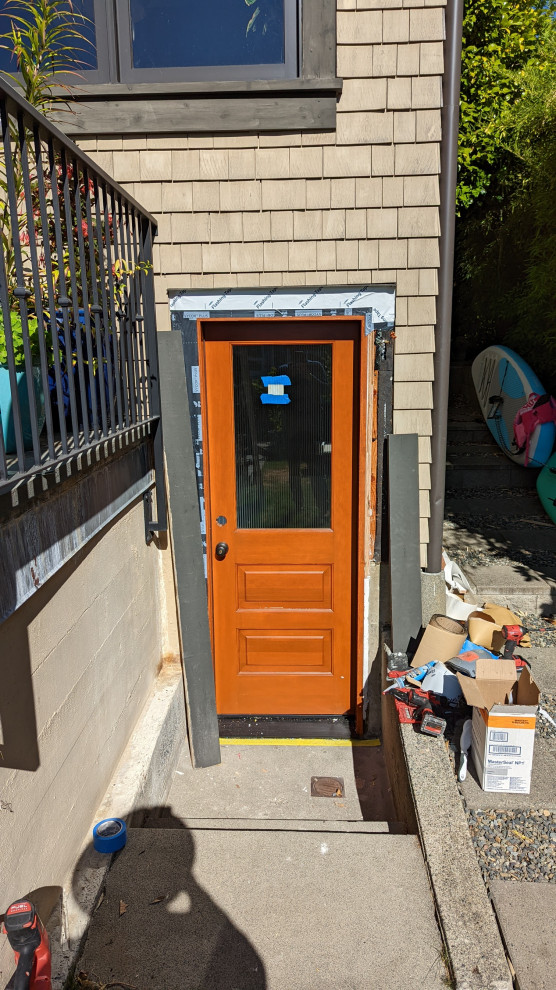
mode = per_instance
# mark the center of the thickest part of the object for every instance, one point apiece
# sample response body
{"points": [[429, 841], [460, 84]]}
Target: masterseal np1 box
{"points": [[503, 727]]}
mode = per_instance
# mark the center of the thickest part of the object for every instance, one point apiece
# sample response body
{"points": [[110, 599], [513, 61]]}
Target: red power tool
{"points": [[414, 706], [27, 937], [513, 636]]}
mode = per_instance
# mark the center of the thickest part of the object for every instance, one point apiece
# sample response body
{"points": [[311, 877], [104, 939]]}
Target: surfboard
{"points": [[503, 382], [546, 487]]}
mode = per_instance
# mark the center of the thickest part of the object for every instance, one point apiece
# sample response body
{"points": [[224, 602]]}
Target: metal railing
{"points": [[78, 351]]}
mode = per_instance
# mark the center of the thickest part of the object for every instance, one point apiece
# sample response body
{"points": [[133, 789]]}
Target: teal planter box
{"points": [[6, 408]]}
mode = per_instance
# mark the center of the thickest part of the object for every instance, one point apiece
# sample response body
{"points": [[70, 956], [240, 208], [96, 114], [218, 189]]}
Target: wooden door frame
{"points": [[364, 448]]}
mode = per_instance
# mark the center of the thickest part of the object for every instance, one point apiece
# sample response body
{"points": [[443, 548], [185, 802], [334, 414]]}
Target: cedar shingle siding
{"points": [[356, 206]]}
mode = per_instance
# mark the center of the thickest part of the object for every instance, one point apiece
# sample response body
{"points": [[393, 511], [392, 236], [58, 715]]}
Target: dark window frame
{"points": [[246, 105]]}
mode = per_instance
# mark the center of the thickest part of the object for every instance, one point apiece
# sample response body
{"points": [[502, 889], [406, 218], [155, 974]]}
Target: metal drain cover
{"points": [[329, 787]]}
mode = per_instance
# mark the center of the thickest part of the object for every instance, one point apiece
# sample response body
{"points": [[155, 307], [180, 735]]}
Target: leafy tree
{"points": [[506, 241], [500, 39]]}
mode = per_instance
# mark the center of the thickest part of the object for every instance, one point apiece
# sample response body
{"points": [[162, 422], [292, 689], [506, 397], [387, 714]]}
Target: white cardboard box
{"points": [[503, 735]]}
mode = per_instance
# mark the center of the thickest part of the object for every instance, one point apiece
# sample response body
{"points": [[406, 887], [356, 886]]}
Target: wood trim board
{"points": [[201, 116]]}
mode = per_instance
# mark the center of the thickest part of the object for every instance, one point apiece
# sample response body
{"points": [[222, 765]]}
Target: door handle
{"points": [[220, 550]]}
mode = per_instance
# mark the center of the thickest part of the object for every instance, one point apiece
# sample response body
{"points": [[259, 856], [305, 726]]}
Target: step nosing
{"points": [[342, 826]]}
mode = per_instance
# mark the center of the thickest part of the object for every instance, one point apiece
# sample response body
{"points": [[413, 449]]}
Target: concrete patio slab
{"points": [[255, 781], [265, 911], [527, 916]]}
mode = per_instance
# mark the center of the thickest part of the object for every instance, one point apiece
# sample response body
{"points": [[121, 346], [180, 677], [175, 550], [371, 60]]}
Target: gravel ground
{"points": [[514, 845]]}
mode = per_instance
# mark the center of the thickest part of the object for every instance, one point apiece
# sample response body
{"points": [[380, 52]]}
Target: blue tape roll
{"points": [[109, 835]]}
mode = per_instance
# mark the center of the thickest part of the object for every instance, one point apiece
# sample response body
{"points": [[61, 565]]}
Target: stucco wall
{"points": [[356, 206], [81, 655]]}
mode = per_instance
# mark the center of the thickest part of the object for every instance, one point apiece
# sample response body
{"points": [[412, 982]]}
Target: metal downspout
{"points": [[448, 180]]}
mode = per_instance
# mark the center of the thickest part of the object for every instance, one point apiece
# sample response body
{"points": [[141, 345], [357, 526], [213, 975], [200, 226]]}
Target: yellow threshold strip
{"points": [[300, 742]]}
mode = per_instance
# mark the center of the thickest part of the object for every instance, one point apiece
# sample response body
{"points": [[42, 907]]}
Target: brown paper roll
{"points": [[443, 639]]}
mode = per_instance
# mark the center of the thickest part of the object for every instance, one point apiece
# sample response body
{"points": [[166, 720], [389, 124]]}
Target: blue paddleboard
{"points": [[503, 382]]}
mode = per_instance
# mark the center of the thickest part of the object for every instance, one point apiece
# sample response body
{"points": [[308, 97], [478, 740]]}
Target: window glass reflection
{"points": [[174, 33]]}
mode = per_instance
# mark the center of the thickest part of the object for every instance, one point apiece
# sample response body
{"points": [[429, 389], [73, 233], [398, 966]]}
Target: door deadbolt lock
{"points": [[220, 550]]}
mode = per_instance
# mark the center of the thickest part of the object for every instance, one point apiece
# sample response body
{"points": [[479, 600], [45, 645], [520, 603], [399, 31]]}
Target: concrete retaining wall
{"points": [[77, 662]]}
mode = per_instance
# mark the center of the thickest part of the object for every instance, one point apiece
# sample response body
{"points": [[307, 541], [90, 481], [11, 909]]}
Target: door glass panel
{"points": [[283, 432]]}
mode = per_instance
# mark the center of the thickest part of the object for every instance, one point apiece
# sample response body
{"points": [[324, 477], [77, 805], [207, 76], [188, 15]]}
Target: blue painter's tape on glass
{"points": [[275, 380], [275, 385], [274, 400]]}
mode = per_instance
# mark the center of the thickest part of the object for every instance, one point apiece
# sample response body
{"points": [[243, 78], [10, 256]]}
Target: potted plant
{"points": [[6, 399]]}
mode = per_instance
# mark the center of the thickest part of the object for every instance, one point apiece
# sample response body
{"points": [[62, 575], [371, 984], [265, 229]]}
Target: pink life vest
{"points": [[537, 410]]}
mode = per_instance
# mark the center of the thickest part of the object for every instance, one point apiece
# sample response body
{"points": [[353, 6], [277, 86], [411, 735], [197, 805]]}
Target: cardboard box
{"points": [[485, 627], [503, 734]]}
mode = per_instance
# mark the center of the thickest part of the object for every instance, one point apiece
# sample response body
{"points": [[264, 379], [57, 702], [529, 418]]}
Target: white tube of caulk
{"points": [[464, 744]]}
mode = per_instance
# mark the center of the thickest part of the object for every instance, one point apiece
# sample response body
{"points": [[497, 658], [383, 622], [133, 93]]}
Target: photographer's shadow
{"points": [[156, 926]]}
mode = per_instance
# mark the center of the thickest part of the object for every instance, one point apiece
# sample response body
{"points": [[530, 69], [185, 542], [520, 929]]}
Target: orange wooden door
{"points": [[279, 436]]}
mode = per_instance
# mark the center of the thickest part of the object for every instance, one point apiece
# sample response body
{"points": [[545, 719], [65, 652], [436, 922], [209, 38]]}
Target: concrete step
{"points": [[279, 825], [462, 450], [519, 587], [478, 472], [259, 910], [271, 782], [473, 432], [524, 504]]}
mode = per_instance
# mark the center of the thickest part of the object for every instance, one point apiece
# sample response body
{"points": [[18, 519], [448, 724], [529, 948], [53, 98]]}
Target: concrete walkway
{"points": [[243, 881]]}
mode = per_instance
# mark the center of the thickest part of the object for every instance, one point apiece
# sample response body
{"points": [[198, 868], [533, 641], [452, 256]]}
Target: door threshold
{"points": [[286, 727]]}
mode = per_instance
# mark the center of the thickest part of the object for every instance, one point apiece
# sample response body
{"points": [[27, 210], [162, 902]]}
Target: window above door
{"points": [[169, 65], [209, 40]]}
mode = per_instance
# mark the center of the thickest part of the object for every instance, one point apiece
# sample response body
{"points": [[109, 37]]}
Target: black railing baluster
{"points": [[139, 317], [96, 308], [145, 245], [128, 326], [64, 301], [132, 322], [50, 290], [23, 293], [5, 300], [109, 223], [27, 170], [121, 304], [34, 227], [153, 374], [102, 238], [20, 291], [73, 221]]}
